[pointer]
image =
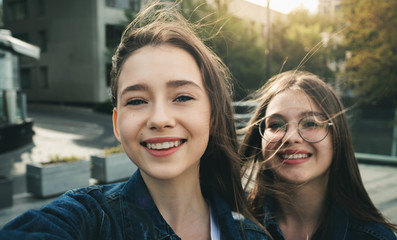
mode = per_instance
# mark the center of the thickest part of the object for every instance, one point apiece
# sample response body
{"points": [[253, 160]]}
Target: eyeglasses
{"points": [[311, 128]]}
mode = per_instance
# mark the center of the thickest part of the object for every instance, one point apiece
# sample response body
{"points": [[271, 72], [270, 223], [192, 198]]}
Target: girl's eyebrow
{"points": [[310, 113], [169, 84], [135, 87], [180, 83], [301, 115]]}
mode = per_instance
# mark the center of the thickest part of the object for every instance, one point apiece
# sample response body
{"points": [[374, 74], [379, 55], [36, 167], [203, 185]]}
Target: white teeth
{"points": [[294, 156], [163, 145]]}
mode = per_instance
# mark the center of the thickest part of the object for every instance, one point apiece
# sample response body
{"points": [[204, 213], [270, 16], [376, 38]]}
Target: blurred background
{"points": [[352, 44], [55, 59]]}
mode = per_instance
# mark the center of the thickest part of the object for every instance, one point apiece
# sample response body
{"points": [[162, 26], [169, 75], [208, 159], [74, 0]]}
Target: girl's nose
{"points": [[292, 134], [161, 117]]}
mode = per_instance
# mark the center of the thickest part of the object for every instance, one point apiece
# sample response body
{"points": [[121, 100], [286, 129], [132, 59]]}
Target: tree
{"points": [[297, 43], [1, 15], [243, 49], [242, 45], [371, 39], [236, 41]]}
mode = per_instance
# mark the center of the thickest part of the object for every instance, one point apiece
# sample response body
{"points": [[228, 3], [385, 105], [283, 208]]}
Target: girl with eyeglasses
{"points": [[303, 177]]}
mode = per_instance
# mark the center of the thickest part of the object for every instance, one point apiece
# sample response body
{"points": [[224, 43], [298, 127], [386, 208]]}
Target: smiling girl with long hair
{"points": [[308, 184]]}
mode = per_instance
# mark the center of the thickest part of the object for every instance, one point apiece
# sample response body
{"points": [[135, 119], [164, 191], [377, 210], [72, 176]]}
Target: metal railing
{"points": [[376, 159], [243, 113]]}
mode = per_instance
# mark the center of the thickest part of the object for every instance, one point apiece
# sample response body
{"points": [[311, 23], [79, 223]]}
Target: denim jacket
{"points": [[345, 227], [116, 211]]}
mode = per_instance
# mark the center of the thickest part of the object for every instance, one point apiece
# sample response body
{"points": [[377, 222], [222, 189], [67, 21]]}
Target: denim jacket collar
{"points": [[143, 219], [135, 193], [340, 221], [343, 226]]}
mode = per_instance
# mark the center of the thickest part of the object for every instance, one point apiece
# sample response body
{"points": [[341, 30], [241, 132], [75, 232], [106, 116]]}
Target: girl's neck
{"points": [[182, 205], [299, 217]]}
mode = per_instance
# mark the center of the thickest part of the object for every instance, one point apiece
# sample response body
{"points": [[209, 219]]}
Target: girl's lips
{"points": [[164, 146], [293, 157]]}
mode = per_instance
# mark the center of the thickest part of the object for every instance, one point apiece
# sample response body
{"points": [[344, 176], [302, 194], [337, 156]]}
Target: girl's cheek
{"points": [[267, 146]]}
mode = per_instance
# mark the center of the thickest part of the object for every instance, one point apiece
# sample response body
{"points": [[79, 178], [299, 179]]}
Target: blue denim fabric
{"points": [[115, 211], [345, 227]]}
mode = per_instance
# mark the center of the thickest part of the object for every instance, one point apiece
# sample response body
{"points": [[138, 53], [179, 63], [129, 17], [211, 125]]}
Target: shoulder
{"points": [[87, 201], [359, 229], [73, 215], [108, 193]]}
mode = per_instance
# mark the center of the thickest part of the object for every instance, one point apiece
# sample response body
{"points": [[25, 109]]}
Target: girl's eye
{"points": [[313, 122], [136, 101], [310, 124], [183, 98], [275, 125]]}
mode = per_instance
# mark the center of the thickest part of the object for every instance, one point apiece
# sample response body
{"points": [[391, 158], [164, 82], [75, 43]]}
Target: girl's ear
{"points": [[115, 126]]}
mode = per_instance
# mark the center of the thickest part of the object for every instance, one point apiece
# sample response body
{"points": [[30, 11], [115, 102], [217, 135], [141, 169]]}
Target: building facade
{"points": [[329, 7], [254, 13], [74, 37]]}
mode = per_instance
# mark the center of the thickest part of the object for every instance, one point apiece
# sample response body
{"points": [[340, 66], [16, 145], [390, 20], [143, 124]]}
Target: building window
{"points": [[108, 70], [124, 4], [43, 81], [3, 117], [22, 36], [135, 5], [40, 8], [43, 41], [16, 10], [26, 81], [113, 35]]}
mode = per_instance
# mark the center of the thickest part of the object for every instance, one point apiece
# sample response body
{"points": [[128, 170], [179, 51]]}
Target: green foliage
{"points": [[242, 44], [112, 150], [1, 15], [242, 50], [237, 42], [297, 43], [62, 159], [371, 38]]}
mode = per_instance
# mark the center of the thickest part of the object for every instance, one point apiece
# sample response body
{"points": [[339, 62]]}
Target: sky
{"points": [[286, 6]]}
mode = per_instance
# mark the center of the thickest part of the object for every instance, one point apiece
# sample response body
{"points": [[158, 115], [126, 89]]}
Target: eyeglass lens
{"points": [[311, 128]]}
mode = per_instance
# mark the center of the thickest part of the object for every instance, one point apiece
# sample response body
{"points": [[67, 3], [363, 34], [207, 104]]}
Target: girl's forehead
{"points": [[291, 102], [159, 64]]}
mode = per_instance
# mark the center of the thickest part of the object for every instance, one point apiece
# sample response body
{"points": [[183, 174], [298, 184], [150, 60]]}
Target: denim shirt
{"points": [[116, 211], [345, 227]]}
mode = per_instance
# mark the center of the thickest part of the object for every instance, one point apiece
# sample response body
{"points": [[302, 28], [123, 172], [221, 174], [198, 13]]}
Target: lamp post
{"points": [[268, 26]]}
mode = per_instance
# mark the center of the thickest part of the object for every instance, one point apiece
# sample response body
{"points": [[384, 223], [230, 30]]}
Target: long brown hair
{"points": [[220, 166], [345, 185]]}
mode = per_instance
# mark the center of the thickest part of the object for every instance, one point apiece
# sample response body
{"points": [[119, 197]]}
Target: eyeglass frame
{"points": [[285, 129]]}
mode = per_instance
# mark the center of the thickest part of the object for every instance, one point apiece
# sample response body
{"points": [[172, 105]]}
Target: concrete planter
{"points": [[6, 163], [6, 192], [112, 168], [53, 179]]}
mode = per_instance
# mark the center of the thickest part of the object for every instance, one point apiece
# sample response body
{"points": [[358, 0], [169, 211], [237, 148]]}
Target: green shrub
{"points": [[111, 150], [62, 159]]}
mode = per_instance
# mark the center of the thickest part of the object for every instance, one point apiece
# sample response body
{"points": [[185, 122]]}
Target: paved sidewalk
{"points": [[81, 132], [381, 184]]}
